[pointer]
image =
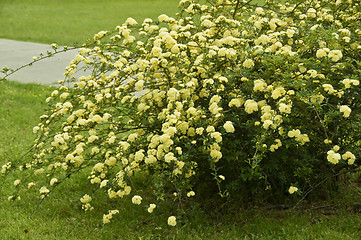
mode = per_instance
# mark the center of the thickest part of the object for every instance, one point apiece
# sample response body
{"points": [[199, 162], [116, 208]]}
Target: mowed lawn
{"points": [[68, 21]]}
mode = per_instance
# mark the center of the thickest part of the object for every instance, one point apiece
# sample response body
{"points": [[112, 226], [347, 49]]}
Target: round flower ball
{"points": [[137, 200], [172, 221]]}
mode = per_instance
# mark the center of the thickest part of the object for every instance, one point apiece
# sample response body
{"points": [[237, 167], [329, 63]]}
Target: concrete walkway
{"points": [[14, 54]]}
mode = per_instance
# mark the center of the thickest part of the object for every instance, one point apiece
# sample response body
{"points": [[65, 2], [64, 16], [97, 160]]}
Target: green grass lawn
{"points": [[68, 21], [60, 216], [74, 21]]}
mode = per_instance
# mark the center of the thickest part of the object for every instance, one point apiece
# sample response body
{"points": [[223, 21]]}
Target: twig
{"points": [[324, 180], [324, 128], [37, 60], [235, 9], [81, 167], [257, 148], [281, 206]]}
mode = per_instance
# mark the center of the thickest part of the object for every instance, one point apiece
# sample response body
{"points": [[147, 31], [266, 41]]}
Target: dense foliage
{"points": [[229, 99]]}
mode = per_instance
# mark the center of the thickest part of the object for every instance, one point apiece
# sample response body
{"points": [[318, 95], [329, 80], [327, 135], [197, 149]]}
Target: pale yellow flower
{"points": [[235, 102], [169, 157], [292, 189], [228, 126], [284, 108], [163, 18], [350, 157], [250, 106], [199, 130], [36, 129], [131, 22], [137, 199], [333, 157], [328, 88], [321, 53], [31, 184], [139, 85], [335, 55], [85, 199], [259, 11], [151, 207], [294, 133], [267, 124], [346, 110], [109, 216], [248, 63], [210, 129], [191, 194], [53, 181], [216, 155], [44, 190], [17, 182], [259, 85], [217, 136], [172, 221], [278, 92]]}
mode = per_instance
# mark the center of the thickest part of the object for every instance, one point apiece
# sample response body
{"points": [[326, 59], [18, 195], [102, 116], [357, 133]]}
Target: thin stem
{"points": [[323, 126], [319, 183], [257, 148], [37, 60], [235, 9]]}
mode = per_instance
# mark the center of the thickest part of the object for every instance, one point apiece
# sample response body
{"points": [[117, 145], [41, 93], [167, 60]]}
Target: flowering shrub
{"points": [[228, 98]]}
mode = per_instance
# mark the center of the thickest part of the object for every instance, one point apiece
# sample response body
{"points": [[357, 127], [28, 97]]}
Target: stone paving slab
{"points": [[14, 54]]}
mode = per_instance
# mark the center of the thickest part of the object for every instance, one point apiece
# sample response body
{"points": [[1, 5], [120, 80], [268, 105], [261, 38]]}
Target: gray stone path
{"points": [[14, 54]]}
